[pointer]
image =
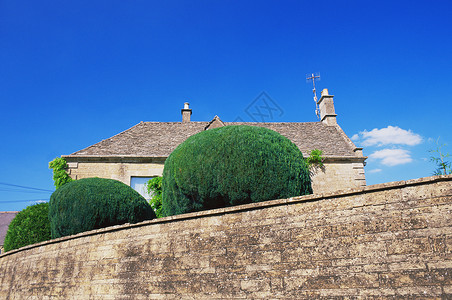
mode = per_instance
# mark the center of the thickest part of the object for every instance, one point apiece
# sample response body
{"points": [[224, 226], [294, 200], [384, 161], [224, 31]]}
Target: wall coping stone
{"points": [[245, 207]]}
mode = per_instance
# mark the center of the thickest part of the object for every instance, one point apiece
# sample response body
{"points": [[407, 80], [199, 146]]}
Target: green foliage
{"points": [[232, 165], [59, 167], [443, 166], [94, 203], [30, 226], [315, 159], [154, 187]]}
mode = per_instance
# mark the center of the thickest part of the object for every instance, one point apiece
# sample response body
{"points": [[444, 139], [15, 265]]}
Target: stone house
{"points": [[138, 153]]}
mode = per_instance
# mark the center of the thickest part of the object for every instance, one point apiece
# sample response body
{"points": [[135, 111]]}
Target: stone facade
{"points": [[388, 241], [338, 175], [116, 169]]}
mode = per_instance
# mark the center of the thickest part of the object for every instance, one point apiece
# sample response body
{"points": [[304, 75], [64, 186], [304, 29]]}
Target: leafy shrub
{"points": [[29, 226], [59, 167], [232, 165], [154, 187], [315, 159], [94, 203]]}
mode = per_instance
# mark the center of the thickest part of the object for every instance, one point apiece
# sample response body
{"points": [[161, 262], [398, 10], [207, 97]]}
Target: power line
{"points": [[12, 190], [25, 187]]}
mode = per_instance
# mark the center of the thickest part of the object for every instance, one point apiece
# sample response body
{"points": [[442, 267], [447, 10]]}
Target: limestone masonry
{"points": [[388, 241]]}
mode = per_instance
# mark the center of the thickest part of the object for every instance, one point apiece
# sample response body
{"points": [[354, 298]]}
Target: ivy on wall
{"points": [[60, 175], [315, 161]]}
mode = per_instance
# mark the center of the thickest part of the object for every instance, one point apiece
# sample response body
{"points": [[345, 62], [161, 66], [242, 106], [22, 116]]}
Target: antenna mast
{"points": [[313, 77]]}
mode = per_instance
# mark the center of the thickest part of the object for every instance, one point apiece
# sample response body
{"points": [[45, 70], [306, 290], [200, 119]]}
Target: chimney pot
{"points": [[186, 113], [325, 92]]}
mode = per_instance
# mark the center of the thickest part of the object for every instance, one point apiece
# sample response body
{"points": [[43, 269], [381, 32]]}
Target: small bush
{"points": [[30, 226], [232, 165], [94, 203]]}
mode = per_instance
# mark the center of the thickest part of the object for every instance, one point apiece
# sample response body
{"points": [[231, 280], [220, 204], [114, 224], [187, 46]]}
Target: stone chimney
{"points": [[326, 106], [186, 113]]}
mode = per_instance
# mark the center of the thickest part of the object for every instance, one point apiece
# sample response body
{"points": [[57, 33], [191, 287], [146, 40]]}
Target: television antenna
{"points": [[313, 77]]}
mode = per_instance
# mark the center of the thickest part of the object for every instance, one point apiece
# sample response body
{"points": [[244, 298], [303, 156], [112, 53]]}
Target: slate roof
{"points": [[5, 218], [159, 139]]}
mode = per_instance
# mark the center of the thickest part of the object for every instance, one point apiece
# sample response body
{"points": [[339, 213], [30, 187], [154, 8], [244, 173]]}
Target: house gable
{"points": [[215, 123]]}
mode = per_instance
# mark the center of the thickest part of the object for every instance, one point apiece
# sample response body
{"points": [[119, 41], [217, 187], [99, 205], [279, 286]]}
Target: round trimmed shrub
{"points": [[232, 165], [94, 203], [29, 226]]}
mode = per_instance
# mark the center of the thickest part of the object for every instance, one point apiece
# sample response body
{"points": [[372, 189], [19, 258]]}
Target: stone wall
{"points": [[122, 171], [338, 174], [384, 242]]}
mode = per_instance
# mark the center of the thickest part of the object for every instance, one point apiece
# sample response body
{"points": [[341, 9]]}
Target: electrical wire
{"points": [[25, 187], [22, 191]]}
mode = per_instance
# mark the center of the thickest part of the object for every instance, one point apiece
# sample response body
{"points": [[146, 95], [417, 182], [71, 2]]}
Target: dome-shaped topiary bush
{"points": [[94, 203], [29, 226], [232, 165]]}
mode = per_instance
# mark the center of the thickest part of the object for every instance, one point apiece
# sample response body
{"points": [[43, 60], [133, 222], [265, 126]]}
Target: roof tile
{"points": [[159, 139]]}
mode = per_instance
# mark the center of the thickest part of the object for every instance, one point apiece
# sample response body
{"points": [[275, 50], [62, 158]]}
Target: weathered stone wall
{"points": [[385, 241], [336, 175], [122, 171]]}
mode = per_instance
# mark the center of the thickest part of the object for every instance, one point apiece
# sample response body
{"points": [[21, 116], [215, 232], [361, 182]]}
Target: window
{"points": [[139, 185]]}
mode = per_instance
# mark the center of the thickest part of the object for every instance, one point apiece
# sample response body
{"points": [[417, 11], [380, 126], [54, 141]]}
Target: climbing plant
{"points": [[59, 167], [154, 188], [315, 162], [315, 158]]}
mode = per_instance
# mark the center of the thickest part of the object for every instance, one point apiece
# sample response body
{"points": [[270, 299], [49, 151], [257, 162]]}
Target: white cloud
{"points": [[392, 157], [374, 171], [355, 137], [390, 135], [41, 201]]}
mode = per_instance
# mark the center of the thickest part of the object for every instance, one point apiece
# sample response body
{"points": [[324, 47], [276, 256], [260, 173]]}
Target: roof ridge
{"points": [[273, 122]]}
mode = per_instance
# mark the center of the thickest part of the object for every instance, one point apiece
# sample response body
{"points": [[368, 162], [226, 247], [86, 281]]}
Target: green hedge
{"points": [[232, 165], [94, 203], [29, 226]]}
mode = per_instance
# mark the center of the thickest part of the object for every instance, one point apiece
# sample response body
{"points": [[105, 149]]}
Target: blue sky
{"points": [[76, 72]]}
